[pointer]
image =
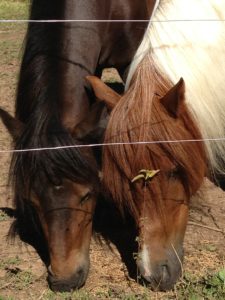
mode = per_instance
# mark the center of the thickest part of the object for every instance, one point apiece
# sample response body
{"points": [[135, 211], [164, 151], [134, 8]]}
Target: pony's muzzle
{"points": [[162, 280], [161, 275], [75, 281]]}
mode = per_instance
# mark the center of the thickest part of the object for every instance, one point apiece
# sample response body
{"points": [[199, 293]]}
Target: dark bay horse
{"points": [[155, 181], [58, 188]]}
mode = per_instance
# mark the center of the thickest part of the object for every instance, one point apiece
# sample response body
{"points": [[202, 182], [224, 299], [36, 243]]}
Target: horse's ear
{"points": [[174, 99], [13, 125], [103, 92], [92, 128]]}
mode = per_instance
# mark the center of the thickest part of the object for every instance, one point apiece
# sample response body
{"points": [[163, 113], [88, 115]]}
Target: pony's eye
{"points": [[85, 197], [174, 173]]}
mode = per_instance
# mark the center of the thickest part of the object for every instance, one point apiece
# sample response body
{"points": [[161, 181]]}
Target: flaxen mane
{"points": [[186, 39], [139, 116]]}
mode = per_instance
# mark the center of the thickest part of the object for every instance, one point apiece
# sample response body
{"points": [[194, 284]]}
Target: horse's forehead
{"points": [[79, 188]]}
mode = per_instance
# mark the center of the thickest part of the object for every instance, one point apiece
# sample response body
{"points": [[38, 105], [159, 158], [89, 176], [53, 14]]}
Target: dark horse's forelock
{"points": [[34, 169], [138, 117]]}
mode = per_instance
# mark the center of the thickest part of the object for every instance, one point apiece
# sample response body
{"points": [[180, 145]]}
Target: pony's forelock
{"points": [[139, 116]]}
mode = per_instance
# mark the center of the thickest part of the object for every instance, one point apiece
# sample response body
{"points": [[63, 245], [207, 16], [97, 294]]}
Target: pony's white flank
{"points": [[192, 45]]}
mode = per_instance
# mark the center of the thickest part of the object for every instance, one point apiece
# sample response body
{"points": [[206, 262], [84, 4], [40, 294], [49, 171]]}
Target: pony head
{"points": [[154, 181]]}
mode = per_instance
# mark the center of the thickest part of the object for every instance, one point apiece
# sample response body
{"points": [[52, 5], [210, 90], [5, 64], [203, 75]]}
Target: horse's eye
{"points": [[58, 188], [174, 173], [85, 197]]}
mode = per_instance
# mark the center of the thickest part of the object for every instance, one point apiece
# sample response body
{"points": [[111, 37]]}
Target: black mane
{"points": [[39, 74], [38, 108]]}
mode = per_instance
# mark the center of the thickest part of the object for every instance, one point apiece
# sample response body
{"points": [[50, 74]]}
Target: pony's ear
{"points": [[92, 128], [103, 92], [174, 99], [13, 125]]}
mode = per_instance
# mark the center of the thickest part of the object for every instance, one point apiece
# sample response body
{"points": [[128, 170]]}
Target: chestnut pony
{"points": [[58, 188], [155, 181]]}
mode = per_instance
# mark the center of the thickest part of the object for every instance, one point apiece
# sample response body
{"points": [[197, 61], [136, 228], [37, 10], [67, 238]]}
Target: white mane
{"points": [[187, 39]]}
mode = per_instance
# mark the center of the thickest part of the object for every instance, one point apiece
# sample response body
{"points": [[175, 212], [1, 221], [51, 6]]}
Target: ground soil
{"points": [[204, 241]]}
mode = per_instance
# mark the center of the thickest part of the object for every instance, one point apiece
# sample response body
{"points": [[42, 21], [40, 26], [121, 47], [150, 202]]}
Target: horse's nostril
{"points": [[50, 272], [80, 272], [165, 273]]}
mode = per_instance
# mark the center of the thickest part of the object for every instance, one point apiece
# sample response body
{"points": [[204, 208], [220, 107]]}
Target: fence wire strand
{"points": [[113, 144], [107, 21], [119, 143]]}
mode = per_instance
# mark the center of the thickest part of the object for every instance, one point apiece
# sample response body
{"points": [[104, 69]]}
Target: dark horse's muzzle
{"points": [[75, 281]]}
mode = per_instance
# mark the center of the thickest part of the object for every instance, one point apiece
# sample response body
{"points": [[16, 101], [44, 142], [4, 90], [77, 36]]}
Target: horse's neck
{"points": [[80, 48], [195, 51]]}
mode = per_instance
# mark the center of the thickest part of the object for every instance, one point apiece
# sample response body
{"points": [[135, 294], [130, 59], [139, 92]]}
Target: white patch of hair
{"points": [[145, 261], [187, 39]]}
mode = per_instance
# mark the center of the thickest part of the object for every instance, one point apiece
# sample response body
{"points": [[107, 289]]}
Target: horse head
{"points": [[61, 186]]}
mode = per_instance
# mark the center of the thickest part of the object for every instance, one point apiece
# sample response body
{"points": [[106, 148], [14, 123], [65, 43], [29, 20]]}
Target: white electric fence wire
{"points": [[112, 144], [106, 21], [108, 144]]}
